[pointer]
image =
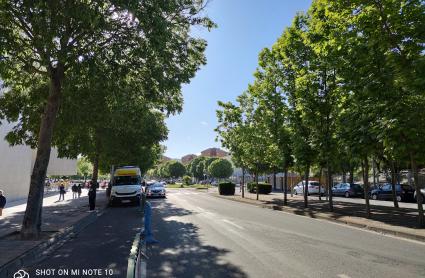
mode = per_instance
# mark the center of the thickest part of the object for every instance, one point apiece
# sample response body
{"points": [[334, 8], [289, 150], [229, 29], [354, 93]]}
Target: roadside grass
{"points": [[195, 186]]}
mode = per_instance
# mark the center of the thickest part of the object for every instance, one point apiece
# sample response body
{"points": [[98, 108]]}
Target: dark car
{"points": [[404, 192], [348, 190]]}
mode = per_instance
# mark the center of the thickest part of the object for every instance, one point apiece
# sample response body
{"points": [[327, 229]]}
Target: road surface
{"points": [[204, 236]]}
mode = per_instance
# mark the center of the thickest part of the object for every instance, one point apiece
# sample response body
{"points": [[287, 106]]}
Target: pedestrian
{"points": [[92, 195], [74, 191], [62, 191], [79, 190], [2, 202]]}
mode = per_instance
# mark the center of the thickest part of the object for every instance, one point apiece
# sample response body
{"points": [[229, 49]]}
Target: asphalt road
{"points": [[100, 250], [204, 236]]}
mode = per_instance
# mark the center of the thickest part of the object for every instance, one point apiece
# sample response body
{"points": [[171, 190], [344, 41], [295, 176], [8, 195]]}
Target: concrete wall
{"points": [[16, 165], [58, 166]]}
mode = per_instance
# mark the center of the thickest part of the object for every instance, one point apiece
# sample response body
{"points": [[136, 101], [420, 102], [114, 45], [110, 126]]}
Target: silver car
{"points": [[156, 190]]}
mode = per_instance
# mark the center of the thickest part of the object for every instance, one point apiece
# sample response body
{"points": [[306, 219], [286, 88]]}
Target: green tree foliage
{"points": [[175, 169], [44, 44], [84, 167], [220, 168], [342, 86], [196, 167]]}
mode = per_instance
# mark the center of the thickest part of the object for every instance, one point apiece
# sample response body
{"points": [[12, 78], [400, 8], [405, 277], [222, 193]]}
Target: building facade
{"points": [[188, 158], [16, 163], [214, 152]]}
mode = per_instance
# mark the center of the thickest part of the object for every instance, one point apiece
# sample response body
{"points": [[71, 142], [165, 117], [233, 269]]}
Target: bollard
{"points": [[148, 229], [142, 204]]}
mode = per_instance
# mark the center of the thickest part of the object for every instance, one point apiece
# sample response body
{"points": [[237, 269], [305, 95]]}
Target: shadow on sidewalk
{"points": [[180, 252], [402, 217]]}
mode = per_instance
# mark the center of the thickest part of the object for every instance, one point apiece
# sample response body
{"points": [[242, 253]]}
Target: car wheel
{"points": [[295, 192], [347, 194], [374, 197], [398, 198]]}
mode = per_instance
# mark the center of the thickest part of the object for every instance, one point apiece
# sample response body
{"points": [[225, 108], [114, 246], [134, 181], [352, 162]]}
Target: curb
{"points": [[39, 252], [332, 219]]}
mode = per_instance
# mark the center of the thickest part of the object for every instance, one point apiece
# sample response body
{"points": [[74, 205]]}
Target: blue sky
{"points": [[244, 28]]}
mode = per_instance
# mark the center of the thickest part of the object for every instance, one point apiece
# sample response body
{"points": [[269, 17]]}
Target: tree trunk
{"points": [[306, 174], [344, 176], [330, 184], [421, 220], [31, 225], [393, 184], [351, 180], [320, 183], [374, 172], [243, 182], [366, 185], [274, 180], [256, 184], [285, 187], [95, 174]]}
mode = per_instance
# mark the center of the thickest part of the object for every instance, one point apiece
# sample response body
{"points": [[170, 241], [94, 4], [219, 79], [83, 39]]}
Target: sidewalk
{"points": [[400, 222], [57, 217]]}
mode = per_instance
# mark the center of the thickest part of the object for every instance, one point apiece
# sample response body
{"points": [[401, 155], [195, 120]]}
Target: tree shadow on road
{"points": [[402, 217], [180, 252]]}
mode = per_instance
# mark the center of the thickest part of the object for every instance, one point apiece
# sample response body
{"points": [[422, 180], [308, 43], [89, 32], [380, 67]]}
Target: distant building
{"points": [[188, 158], [165, 158], [214, 152]]}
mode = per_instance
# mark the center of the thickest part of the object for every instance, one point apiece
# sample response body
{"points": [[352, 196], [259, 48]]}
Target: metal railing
{"points": [[136, 263]]}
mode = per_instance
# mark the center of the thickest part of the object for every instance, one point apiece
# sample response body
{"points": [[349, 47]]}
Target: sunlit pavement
{"points": [[204, 236]]}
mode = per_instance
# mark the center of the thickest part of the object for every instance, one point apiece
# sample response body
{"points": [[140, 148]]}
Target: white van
{"points": [[126, 185]]}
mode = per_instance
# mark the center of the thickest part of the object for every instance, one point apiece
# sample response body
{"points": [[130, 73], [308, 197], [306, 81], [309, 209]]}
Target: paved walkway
{"points": [[57, 215], [401, 221]]}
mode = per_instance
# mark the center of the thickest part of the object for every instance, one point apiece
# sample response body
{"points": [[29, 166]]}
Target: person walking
{"points": [[79, 190], [2, 202], [92, 195], [62, 191], [74, 191]]}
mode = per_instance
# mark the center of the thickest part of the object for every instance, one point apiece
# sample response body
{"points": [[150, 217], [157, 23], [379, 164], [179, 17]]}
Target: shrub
{"points": [[187, 180], [226, 188], [263, 188]]}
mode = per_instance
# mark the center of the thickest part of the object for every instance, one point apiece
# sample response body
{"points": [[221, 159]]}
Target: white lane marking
{"points": [[200, 209], [343, 276], [233, 224]]}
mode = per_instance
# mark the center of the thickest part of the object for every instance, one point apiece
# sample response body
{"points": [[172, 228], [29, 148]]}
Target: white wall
{"points": [[15, 166], [58, 166]]}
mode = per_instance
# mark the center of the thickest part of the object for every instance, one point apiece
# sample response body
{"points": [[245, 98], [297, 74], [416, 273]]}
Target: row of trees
{"points": [[342, 86], [199, 168], [94, 78]]}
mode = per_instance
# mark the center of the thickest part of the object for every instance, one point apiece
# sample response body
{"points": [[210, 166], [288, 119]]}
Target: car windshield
{"points": [[127, 180], [157, 186], [315, 183]]}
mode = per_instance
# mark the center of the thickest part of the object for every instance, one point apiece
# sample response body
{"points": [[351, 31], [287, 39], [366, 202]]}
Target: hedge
{"points": [[226, 188], [263, 188]]}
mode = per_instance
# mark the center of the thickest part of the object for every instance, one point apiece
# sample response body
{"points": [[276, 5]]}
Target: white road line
{"points": [[233, 224], [200, 209], [343, 276]]}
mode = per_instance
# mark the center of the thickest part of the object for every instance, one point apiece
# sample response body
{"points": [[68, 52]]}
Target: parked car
{"points": [[404, 192], [348, 190], [156, 190], [422, 193], [313, 188]]}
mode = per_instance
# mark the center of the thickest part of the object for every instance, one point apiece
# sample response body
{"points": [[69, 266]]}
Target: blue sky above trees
{"points": [[244, 28]]}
